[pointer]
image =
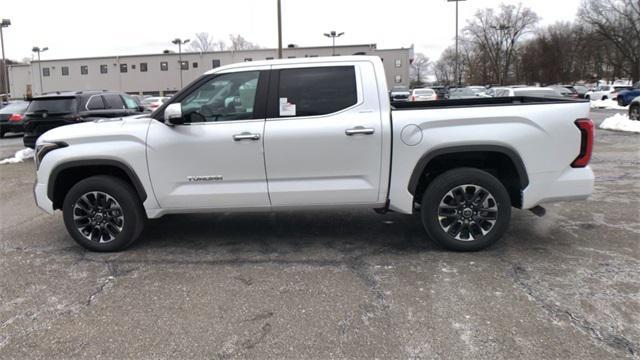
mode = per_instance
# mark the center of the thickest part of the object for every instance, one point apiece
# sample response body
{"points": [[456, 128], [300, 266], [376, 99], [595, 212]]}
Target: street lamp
{"points": [[180, 42], [279, 30], [5, 71], [38, 50], [457, 72], [333, 35]]}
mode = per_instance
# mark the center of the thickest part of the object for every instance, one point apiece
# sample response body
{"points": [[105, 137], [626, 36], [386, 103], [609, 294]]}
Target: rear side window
{"points": [[15, 108], [53, 105], [95, 103], [316, 91], [113, 101]]}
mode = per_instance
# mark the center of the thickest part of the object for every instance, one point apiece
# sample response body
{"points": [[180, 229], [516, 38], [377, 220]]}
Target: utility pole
{"points": [[333, 35], [39, 50], [279, 30], [458, 75], [5, 71], [180, 42]]}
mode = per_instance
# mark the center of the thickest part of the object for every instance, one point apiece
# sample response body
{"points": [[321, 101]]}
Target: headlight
{"points": [[44, 148]]}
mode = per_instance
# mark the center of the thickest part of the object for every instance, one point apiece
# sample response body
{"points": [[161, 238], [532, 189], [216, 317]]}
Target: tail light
{"points": [[586, 143], [16, 117], [413, 98]]}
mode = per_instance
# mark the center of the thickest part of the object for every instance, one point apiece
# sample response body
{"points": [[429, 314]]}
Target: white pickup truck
{"points": [[314, 133]]}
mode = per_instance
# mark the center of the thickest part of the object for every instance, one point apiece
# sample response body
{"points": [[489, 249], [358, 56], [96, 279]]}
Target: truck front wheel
{"points": [[103, 213], [466, 209]]}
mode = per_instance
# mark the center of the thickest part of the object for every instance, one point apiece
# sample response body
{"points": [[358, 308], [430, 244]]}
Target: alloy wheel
{"points": [[98, 217], [467, 212]]}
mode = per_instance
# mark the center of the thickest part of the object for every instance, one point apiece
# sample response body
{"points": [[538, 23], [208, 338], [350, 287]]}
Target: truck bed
{"points": [[480, 102]]}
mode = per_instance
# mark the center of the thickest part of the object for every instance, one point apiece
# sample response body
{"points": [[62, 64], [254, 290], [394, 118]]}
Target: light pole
{"points": [[333, 35], [38, 50], [5, 71], [180, 42], [279, 30], [457, 71]]}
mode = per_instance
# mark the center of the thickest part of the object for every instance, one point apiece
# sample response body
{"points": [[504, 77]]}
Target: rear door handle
{"points": [[246, 136], [359, 130]]}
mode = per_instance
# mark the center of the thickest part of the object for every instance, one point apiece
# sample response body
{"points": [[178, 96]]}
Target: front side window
{"points": [[164, 66], [113, 101], [84, 70], [65, 71], [46, 71], [103, 69], [123, 68], [130, 102], [143, 67], [225, 97], [95, 103], [316, 91]]}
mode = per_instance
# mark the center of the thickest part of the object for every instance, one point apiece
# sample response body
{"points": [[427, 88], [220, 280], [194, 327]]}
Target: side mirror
{"points": [[173, 114]]}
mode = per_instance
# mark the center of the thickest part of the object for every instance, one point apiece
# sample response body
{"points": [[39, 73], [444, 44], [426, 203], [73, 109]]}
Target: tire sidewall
{"points": [[448, 181], [123, 194], [637, 111]]}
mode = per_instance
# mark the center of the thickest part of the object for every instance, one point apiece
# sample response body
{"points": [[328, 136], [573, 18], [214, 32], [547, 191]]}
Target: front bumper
{"points": [[42, 200]]}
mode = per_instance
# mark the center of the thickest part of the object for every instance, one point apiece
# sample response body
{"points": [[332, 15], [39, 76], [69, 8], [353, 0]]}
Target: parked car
{"points": [[540, 92], [576, 91], [565, 91], [462, 93], [12, 116], [64, 108], [400, 93], [423, 94], [634, 109], [314, 132], [626, 96], [604, 92], [479, 90], [441, 91], [154, 102]]}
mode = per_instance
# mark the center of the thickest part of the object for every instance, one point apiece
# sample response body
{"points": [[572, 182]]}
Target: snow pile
{"points": [[607, 104], [20, 155], [620, 122]]}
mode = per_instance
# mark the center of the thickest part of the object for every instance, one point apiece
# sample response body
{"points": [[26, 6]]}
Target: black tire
{"points": [[1, 133], [634, 112], [476, 215], [588, 97], [124, 209]]}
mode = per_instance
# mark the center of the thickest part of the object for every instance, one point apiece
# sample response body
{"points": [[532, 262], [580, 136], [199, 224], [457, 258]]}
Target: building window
{"points": [[164, 66], [291, 57], [104, 69], [123, 68], [184, 65], [133, 66], [65, 71], [84, 69], [313, 55], [270, 58], [215, 63], [143, 67], [46, 71], [398, 63], [398, 79], [248, 59], [194, 65]]}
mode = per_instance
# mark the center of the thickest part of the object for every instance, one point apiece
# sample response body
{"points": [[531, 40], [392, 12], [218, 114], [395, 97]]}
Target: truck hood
{"points": [[116, 129]]}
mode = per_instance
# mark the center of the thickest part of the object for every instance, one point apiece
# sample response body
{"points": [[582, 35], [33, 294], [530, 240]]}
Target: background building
{"points": [[158, 74]]}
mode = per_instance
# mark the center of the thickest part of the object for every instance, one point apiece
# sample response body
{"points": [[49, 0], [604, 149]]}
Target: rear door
{"points": [[323, 138]]}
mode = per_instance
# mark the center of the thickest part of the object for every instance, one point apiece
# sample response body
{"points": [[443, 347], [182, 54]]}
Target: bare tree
{"points": [[240, 43], [497, 34], [618, 21], [419, 69], [202, 42], [444, 68]]}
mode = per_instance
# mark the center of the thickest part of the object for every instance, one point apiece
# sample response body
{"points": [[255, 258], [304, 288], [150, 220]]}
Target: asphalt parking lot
{"points": [[331, 284]]}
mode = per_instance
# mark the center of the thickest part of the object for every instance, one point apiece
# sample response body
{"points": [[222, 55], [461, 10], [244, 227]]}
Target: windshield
{"points": [[15, 108], [423, 92], [56, 105], [462, 92]]}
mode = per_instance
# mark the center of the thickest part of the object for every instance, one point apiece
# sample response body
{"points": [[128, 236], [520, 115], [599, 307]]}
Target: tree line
{"points": [[505, 46]]}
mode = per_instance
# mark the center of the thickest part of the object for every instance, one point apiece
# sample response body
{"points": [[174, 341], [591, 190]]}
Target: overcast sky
{"points": [[118, 27]]}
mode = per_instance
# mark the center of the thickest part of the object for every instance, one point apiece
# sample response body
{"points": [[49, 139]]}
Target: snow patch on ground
{"points": [[607, 104], [19, 157], [620, 122]]}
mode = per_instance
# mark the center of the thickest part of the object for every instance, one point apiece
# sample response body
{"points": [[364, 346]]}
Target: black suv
{"points": [[64, 108]]}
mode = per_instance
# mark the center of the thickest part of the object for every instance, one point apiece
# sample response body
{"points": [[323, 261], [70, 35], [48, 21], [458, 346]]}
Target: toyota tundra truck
{"points": [[315, 133]]}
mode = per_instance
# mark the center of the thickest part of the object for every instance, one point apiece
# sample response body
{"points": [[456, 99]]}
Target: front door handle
{"points": [[359, 130], [246, 136]]}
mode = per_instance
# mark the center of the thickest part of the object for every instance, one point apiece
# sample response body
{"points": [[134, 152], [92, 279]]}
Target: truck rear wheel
{"points": [[103, 213], [466, 209]]}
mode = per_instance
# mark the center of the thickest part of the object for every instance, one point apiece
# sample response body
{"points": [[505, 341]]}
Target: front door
{"points": [[216, 159]]}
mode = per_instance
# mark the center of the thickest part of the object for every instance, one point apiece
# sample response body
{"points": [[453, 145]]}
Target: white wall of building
{"points": [[25, 77]]}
